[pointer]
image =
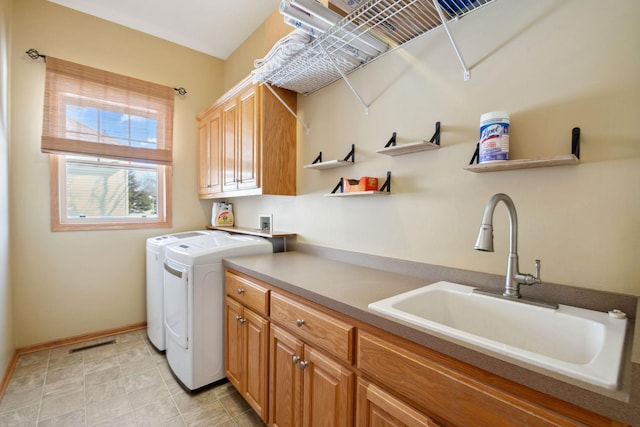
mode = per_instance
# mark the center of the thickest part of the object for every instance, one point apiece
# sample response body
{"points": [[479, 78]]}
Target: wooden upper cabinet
{"points": [[256, 143]]}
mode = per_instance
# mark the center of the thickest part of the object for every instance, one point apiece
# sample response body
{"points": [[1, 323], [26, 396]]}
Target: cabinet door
{"points": [[234, 358], [229, 123], [377, 408], [328, 391], [248, 150], [209, 154], [203, 157], [215, 153], [285, 379], [256, 340]]}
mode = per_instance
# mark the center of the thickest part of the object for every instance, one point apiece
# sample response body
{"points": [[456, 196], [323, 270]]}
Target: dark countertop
{"points": [[349, 288]]}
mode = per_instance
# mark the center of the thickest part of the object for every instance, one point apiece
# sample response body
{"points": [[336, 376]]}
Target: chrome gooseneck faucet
{"points": [[485, 243]]}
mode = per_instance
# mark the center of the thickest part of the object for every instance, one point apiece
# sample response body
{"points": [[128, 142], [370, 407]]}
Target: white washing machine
{"points": [[194, 304], [155, 277]]}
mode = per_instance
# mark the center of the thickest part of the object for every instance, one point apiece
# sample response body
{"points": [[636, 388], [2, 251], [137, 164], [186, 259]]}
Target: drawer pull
{"points": [[300, 322], [295, 359], [240, 291], [303, 364]]}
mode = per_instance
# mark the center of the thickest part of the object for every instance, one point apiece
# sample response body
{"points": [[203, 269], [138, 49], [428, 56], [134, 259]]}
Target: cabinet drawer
{"points": [[249, 293], [376, 407], [313, 326], [446, 392]]}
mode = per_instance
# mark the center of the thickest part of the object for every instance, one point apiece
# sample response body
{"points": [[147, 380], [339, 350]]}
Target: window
{"points": [[109, 137]]}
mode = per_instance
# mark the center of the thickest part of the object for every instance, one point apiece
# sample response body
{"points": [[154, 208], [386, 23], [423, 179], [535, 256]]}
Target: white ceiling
{"points": [[214, 27]]}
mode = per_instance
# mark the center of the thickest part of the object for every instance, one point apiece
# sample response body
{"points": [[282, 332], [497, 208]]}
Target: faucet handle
{"points": [[529, 279]]}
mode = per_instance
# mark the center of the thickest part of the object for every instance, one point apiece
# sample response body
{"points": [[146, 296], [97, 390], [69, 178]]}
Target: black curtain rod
{"points": [[34, 54]]}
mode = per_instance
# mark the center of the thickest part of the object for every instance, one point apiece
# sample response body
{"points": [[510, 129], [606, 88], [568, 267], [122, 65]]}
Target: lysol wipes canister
{"points": [[494, 136]]}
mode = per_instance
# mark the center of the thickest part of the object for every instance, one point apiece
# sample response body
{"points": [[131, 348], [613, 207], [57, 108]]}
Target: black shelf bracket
{"points": [[575, 142], [318, 159], [340, 186], [435, 139], [476, 155], [387, 184], [392, 141], [352, 154]]}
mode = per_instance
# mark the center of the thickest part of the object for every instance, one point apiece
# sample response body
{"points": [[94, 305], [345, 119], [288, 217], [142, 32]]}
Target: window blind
{"points": [[98, 113]]}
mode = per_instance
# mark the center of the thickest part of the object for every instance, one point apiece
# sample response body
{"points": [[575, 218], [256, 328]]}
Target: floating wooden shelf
{"points": [[348, 160], [384, 189], [503, 165], [391, 149], [359, 193], [412, 147], [252, 231], [330, 164]]}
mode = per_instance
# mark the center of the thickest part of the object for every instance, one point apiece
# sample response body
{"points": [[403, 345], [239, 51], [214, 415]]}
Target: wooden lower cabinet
{"points": [[246, 357], [307, 388], [323, 368], [377, 408], [458, 394]]}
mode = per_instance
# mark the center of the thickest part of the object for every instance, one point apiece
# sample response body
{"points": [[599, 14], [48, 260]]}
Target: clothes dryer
{"points": [[155, 294], [194, 304]]}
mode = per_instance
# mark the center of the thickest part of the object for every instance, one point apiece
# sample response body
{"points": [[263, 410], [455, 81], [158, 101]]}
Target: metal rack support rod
{"points": [[344, 77], [304, 125], [453, 42]]}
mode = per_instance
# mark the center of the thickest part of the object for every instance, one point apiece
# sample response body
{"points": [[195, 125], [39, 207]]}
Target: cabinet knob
{"points": [[295, 359], [303, 364], [240, 319], [240, 291], [300, 322]]}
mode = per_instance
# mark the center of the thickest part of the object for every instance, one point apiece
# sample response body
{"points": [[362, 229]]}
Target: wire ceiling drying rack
{"points": [[390, 23]]}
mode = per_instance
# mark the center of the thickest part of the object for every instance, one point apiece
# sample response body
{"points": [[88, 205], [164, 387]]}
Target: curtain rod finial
{"points": [[34, 54]]}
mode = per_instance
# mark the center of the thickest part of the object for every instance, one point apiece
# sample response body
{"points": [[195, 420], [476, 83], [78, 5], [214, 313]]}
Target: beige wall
{"points": [[561, 64], [553, 65], [240, 62], [6, 312], [70, 283]]}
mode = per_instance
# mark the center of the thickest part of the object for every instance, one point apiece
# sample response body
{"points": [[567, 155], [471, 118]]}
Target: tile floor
{"points": [[127, 383]]}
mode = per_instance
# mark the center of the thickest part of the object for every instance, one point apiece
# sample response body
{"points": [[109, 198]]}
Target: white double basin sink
{"points": [[583, 344]]}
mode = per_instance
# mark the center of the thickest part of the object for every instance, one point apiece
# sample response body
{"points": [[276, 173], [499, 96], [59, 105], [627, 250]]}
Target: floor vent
{"points": [[87, 347]]}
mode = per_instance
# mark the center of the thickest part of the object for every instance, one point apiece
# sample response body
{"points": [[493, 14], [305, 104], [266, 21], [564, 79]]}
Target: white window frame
{"points": [[60, 221]]}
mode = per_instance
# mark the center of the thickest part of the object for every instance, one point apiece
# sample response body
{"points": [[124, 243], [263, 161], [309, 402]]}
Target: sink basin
{"points": [[583, 344]]}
